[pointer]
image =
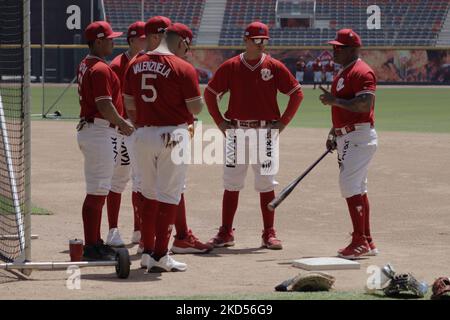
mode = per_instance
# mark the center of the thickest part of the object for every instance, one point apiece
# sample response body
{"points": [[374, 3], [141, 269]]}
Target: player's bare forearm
{"points": [[109, 112], [132, 115], [130, 106], [213, 107], [195, 107], [361, 103]]}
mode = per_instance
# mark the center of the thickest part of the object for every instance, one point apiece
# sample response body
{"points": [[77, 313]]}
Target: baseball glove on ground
{"points": [[405, 283], [311, 281], [440, 287]]}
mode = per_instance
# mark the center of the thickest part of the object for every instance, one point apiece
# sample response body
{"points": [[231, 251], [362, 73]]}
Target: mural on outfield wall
{"points": [[391, 66], [400, 66]]}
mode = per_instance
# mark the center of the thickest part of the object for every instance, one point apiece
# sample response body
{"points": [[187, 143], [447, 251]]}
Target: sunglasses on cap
{"points": [[186, 45], [260, 41]]}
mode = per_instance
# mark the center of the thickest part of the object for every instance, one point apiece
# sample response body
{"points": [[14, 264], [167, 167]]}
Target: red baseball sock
{"points": [[113, 206], [356, 209], [92, 218], [137, 201], [149, 214], [229, 207], [268, 216], [164, 224], [367, 217], [180, 221]]}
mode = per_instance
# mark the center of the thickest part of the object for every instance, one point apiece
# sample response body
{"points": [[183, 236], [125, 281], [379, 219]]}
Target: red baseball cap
{"points": [[136, 29], [257, 30], [100, 30], [183, 31], [157, 24], [347, 37]]}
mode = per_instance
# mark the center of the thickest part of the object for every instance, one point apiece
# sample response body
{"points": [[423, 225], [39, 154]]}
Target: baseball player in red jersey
{"points": [[253, 79], [317, 69], [329, 72], [300, 67], [161, 95], [185, 241], [352, 101], [123, 150], [101, 115]]}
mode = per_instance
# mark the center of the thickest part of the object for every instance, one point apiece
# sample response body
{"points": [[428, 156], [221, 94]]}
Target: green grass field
{"points": [[327, 295], [405, 109]]}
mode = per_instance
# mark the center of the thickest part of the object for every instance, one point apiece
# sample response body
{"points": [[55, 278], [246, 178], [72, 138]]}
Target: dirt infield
{"points": [[408, 185]]}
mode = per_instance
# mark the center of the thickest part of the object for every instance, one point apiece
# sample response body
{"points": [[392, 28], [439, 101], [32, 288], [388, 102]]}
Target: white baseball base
{"points": [[325, 263]]}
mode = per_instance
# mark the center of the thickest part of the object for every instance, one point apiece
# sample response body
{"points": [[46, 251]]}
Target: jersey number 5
{"points": [[145, 86]]}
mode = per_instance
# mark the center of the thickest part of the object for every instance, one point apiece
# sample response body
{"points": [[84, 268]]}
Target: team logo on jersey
{"points": [[266, 74], [340, 84]]}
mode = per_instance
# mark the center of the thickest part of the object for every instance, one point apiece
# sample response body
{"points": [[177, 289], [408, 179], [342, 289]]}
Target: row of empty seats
{"points": [[122, 13], [403, 22]]}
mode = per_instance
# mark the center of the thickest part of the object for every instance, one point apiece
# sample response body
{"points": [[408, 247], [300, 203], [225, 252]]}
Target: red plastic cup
{"points": [[76, 249]]}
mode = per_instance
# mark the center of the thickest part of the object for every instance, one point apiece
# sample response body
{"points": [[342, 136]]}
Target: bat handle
{"points": [[271, 206]]}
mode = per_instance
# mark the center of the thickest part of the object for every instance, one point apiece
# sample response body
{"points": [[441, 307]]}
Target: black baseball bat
{"points": [[291, 186]]}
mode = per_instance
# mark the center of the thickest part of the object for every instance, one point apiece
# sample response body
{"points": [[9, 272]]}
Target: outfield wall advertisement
{"points": [[392, 66], [397, 66]]}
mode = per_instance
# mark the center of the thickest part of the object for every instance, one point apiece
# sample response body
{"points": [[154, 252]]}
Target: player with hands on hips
{"points": [[100, 117], [352, 101], [253, 79]]}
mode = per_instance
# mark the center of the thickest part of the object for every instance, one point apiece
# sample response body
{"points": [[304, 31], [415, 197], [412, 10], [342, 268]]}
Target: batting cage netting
{"points": [[14, 130]]}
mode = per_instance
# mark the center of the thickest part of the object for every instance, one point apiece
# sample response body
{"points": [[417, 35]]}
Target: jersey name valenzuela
{"points": [[152, 66]]}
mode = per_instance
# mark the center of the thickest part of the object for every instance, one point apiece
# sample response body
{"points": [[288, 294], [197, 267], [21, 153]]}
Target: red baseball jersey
{"points": [[97, 81], [317, 66], [119, 64], [253, 87], [355, 79], [301, 66], [329, 67], [161, 84]]}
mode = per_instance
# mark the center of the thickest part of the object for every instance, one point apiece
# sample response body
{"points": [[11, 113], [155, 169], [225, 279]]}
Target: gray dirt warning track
{"points": [[408, 185]]}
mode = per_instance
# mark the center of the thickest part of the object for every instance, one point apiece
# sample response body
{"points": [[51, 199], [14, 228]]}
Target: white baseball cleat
{"points": [[145, 260], [136, 237], [166, 264], [114, 239], [140, 248], [372, 252]]}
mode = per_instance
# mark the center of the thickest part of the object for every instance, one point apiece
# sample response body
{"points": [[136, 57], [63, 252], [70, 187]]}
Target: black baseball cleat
{"points": [[98, 252], [106, 251], [90, 253]]}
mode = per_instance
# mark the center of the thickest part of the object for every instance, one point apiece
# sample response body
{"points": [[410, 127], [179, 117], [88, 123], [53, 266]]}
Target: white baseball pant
{"points": [[161, 178], [94, 141], [234, 173], [355, 151], [317, 76]]}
